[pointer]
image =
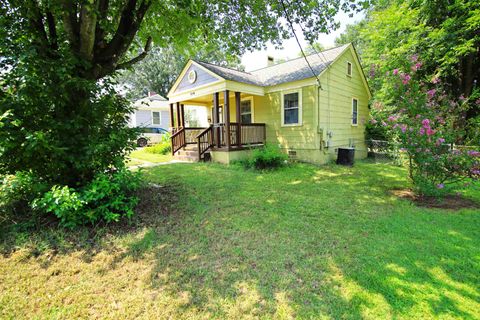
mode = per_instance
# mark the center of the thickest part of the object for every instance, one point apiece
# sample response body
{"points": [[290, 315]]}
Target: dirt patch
{"points": [[450, 202]]}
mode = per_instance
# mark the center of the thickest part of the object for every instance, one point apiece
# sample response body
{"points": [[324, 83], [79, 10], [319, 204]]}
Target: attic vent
{"points": [[292, 153]]}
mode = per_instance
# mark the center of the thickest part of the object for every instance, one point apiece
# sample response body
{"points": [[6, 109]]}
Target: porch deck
{"points": [[218, 137]]}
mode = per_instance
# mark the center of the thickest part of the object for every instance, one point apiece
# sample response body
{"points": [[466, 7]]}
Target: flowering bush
{"points": [[423, 120]]}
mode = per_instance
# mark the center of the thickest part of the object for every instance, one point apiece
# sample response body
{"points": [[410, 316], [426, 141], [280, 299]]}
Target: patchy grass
{"points": [[140, 156], [211, 241]]}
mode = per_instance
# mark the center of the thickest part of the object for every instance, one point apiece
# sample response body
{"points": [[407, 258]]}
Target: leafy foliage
{"points": [[61, 140], [158, 71], [108, 197], [423, 122], [164, 147], [268, 157], [444, 35], [60, 117]]}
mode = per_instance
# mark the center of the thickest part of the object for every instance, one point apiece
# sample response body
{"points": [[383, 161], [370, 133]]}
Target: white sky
{"points": [[258, 59]]}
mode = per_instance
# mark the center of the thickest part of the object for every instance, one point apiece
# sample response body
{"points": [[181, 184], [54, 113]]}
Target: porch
{"points": [[223, 134]]}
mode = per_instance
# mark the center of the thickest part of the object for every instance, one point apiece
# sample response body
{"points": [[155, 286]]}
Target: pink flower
{"points": [[431, 93], [404, 128], [435, 80], [440, 186], [414, 58], [440, 141], [395, 71], [426, 123], [462, 98], [384, 123], [406, 79], [421, 131], [430, 132], [474, 153]]}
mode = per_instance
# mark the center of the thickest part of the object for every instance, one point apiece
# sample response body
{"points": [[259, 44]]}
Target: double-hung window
{"points": [[354, 112], [156, 117], [246, 111], [292, 108]]}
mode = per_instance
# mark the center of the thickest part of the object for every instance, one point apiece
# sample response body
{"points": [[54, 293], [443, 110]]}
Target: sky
{"points": [[258, 59]]}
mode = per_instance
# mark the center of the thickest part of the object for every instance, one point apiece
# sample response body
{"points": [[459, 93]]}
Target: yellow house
{"points": [[308, 109]]}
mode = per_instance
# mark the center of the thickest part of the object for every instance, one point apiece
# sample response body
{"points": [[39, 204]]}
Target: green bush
{"points": [[267, 157], [109, 197], [16, 191], [164, 147]]}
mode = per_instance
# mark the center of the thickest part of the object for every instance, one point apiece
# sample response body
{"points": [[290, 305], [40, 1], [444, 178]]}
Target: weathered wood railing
{"points": [[204, 138], [178, 139], [191, 134], [251, 133], [204, 141]]}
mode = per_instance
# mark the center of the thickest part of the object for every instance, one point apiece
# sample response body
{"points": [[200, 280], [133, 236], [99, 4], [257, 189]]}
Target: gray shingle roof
{"points": [[292, 70], [231, 74]]}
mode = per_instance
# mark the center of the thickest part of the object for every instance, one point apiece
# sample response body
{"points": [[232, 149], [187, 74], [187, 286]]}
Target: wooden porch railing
{"points": [[251, 133], [178, 139], [204, 138], [191, 134], [204, 141]]}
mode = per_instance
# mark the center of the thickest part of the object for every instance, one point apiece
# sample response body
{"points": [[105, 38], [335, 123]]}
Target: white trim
{"points": [[351, 69], [252, 107], [358, 112], [184, 71], [300, 107], [159, 117]]}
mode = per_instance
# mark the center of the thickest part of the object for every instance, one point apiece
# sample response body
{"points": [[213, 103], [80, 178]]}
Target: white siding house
{"points": [[153, 112]]}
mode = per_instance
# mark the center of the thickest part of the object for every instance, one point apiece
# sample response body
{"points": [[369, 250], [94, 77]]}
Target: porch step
{"points": [[189, 154]]}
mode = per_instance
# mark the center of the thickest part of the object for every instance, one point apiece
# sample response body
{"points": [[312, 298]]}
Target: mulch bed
{"points": [[450, 202]]}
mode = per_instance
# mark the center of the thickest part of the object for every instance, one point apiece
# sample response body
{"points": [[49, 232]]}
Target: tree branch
{"points": [[52, 31], [138, 58], [70, 22], [88, 23], [35, 18], [99, 31]]}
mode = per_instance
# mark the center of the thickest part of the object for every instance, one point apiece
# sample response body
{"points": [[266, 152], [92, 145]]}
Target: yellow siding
{"points": [[338, 90], [304, 136], [324, 111]]}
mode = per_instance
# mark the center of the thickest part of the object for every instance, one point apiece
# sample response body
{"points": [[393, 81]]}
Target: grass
{"points": [[140, 156], [212, 241]]}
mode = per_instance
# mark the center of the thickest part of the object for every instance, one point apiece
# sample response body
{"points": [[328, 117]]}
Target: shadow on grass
{"points": [[355, 252], [300, 242]]}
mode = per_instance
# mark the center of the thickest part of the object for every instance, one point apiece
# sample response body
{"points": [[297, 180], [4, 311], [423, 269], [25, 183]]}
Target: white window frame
{"points": [[252, 108], [159, 118], [358, 112], [300, 107], [351, 68]]}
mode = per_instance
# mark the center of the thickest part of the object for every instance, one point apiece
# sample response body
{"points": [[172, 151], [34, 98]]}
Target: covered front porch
{"points": [[232, 127]]}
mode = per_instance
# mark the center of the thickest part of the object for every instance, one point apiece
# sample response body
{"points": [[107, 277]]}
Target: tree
{"points": [[442, 34], [60, 117], [158, 71]]}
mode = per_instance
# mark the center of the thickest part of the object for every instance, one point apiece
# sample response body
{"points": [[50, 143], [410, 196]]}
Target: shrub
{"points": [[16, 191], [267, 157], [109, 197], [425, 124], [164, 147]]}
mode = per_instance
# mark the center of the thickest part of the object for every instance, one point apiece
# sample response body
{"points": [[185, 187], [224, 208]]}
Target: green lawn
{"points": [[212, 241], [140, 156]]}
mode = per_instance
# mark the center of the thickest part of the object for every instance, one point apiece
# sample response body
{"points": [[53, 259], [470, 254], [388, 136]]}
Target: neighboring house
{"points": [[309, 110], [151, 112]]}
